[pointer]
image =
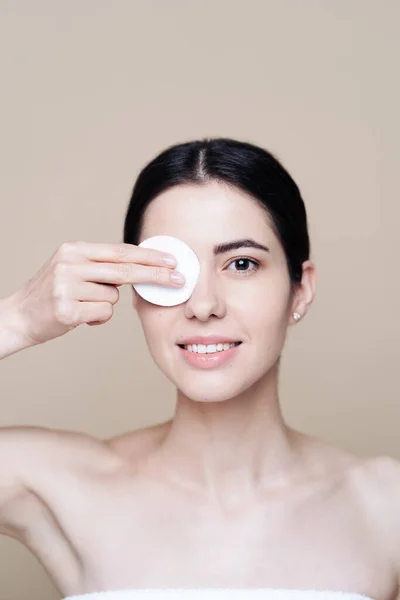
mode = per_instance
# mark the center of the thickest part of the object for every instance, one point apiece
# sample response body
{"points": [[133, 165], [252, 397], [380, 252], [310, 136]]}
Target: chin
{"points": [[220, 391], [207, 399], [209, 385]]}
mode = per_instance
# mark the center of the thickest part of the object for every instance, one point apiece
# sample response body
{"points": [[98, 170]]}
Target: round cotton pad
{"points": [[187, 263]]}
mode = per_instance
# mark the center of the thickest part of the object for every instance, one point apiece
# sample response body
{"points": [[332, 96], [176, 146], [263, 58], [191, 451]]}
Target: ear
{"points": [[305, 291]]}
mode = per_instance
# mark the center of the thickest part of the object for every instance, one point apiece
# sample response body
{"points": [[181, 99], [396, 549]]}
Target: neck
{"points": [[233, 449]]}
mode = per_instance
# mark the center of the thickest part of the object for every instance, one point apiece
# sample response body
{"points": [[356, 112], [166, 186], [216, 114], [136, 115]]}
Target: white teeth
{"points": [[211, 348]]}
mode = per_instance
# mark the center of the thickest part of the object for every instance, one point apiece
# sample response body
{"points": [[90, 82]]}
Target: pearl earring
{"points": [[296, 316]]}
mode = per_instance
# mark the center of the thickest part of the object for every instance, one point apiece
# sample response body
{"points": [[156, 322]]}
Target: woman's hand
{"points": [[79, 284]]}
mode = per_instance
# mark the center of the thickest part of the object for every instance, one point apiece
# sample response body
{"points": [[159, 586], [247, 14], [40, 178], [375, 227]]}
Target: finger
{"points": [[122, 253], [123, 273], [93, 312], [86, 291]]}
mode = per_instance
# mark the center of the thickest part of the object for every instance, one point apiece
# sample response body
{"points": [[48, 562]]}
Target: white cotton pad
{"points": [[187, 263]]}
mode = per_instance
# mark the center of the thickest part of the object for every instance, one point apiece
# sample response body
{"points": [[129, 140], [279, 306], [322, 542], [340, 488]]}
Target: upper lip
{"points": [[209, 339]]}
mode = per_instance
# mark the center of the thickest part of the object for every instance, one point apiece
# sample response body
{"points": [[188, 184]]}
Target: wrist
{"points": [[13, 338]]}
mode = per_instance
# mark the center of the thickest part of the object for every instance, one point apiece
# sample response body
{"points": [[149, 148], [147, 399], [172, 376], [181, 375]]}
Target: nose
{"points": [[207, 298]]}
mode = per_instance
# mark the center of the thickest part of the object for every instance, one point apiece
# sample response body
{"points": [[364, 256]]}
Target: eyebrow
{"points": [[235, 244]]}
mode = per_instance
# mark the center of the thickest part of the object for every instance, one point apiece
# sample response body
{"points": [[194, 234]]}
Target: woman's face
{"points": [[248, 301]]}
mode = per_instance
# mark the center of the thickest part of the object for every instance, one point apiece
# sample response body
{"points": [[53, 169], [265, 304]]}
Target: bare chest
{"points": [[154, 539]]}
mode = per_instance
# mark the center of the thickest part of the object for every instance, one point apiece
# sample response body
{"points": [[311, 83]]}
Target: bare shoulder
{"points": [[35, 462], [370, 477], [30, 449], [378, 475], [376, 485], [136, 443], [366, 477]]}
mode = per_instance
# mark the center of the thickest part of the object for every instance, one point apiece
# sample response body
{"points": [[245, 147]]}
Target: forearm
{"points": [[12, 338]]}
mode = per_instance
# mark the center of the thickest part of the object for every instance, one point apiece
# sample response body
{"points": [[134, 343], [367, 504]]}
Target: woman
{"points": [[225, 494]]}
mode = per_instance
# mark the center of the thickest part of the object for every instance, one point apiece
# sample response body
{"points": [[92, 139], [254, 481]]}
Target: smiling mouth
{"points": [[233, 344]]}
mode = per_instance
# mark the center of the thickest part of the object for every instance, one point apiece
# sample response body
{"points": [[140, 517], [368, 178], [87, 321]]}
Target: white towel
{"points": [[220, 594]]}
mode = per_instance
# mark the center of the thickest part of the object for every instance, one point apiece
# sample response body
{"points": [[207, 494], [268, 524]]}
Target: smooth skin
{"points": [[225, 494]]}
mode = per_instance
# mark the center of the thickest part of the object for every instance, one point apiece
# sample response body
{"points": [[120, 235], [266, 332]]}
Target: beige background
{"points": [[91, 90]]}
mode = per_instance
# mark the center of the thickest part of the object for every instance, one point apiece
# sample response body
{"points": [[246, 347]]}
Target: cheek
{"points": [[150, 318], [156, 326], [266, 310]]}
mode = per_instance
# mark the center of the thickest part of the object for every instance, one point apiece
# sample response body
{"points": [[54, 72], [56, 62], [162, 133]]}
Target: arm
{"points": [[38, 466], [380, 492], [18, 457], [12, 338]]}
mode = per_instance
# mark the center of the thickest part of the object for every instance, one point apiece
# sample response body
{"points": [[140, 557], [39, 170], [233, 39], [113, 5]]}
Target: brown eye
{"points": [[243, 264]]}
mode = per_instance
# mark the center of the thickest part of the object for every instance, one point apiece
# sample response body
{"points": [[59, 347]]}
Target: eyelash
{"points": [[255, 262]]}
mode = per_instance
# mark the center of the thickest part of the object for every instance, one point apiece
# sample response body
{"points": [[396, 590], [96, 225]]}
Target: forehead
{"points": [[208, 214]]}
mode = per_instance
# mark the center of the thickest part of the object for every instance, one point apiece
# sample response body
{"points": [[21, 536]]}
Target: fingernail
{"points": [[170, 261], [177, 277]]}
